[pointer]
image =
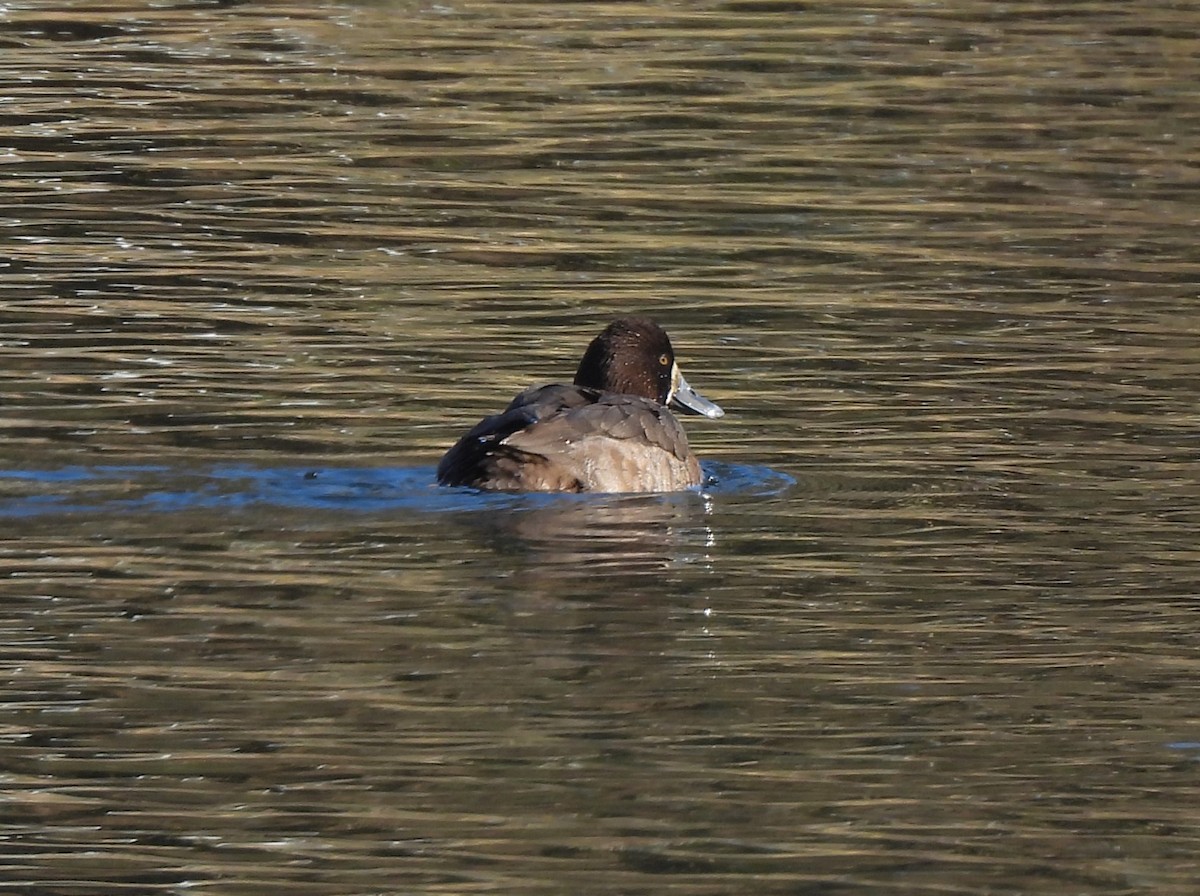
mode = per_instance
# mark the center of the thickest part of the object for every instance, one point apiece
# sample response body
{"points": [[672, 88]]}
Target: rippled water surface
{"points": [[930, 628]]}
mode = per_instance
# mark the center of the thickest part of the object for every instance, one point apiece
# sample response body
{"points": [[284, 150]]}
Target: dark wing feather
{"points": [[480, 456]]}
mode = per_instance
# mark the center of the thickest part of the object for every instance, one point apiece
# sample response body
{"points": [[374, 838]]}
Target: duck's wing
{"points": [[481, 458], [614, 443], [604, 416]]}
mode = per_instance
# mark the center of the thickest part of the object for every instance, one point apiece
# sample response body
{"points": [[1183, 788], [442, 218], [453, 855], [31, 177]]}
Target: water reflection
{"points": [[622, 535]]}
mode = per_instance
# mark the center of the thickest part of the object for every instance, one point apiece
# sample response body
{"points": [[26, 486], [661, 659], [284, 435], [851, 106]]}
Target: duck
{"points": [[610, 431]]}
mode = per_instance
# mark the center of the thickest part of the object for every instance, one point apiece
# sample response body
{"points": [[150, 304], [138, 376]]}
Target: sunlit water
{"points": [[929, 627]]}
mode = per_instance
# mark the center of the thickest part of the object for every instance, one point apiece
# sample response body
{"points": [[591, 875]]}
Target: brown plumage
{"points": [[609, 432]]}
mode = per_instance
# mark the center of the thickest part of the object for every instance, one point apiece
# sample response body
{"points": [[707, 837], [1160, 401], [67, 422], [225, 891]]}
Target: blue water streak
{"points": [[162, 489]]}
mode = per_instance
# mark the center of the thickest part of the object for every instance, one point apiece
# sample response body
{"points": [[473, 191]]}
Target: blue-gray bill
{"points": [[688, 399]]}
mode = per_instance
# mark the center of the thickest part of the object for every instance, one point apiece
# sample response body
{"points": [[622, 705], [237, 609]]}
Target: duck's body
{"points": [[562, 438], [609, 432]]}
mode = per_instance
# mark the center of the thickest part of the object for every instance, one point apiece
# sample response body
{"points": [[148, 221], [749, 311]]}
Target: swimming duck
{"points": [[609, 432]]}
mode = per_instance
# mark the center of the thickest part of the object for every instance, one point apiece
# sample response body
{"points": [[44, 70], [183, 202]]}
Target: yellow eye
{"points": [[664, 360]]}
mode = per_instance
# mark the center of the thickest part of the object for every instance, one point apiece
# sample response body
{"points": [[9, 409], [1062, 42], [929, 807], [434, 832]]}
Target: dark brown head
{"points": [[633, 356]]}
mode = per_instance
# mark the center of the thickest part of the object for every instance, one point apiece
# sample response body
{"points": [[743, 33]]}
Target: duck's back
{"points": [[574, 439]]}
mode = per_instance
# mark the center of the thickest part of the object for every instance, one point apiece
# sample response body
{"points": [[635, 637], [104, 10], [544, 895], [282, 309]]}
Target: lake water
{"points": [[933, 627]]}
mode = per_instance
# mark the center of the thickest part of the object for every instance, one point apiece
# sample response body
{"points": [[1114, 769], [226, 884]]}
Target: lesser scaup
{"points": [[609, 432]]}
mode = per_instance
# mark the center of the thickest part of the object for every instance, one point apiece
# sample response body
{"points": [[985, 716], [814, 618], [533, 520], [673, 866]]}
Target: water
{"points": [[931, 628]]}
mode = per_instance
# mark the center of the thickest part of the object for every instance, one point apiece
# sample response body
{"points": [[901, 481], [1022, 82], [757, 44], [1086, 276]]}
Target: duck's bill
{"points": [[688, 399]]}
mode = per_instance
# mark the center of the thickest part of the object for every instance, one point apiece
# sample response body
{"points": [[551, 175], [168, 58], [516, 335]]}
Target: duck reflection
{"points": [[630, 534]]}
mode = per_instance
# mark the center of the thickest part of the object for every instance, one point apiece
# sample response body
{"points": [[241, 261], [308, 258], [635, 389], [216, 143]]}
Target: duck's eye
{"points": [[664, 360]]}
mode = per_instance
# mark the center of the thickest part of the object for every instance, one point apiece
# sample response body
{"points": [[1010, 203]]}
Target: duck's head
{"points": [[633, 356]]}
